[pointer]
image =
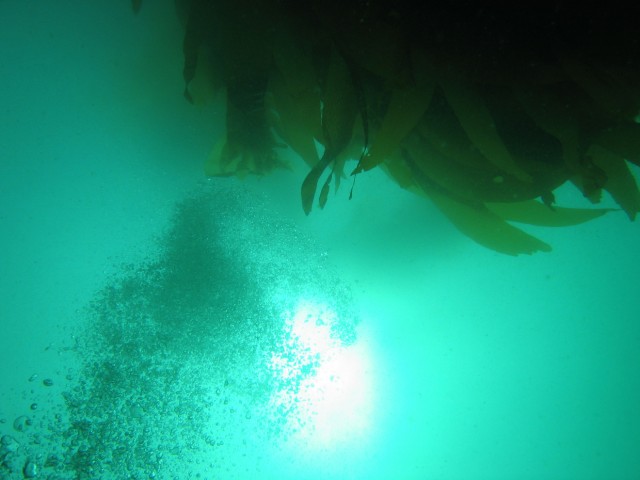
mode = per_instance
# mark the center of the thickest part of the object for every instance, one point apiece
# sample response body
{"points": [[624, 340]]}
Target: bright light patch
{"points": [[325, 388]]}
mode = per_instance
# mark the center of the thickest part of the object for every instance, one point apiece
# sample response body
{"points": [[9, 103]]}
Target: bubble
{"points": [[21, 423], [33, 377], [124, 386], [11, 462], [30, 469], [9, 443]]}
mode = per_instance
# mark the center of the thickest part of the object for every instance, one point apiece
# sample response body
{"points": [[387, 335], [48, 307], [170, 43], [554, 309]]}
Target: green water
{"points": [[157, 325]]}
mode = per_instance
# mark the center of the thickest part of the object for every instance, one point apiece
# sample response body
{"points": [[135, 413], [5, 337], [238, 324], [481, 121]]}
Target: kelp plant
{"points": [[485, 110]]}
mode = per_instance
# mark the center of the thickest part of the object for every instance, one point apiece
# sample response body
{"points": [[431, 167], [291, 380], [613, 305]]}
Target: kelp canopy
{"points": [[485, 110]]}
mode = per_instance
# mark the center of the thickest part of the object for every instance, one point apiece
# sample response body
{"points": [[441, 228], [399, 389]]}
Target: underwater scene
{"points": [[267, 239]]}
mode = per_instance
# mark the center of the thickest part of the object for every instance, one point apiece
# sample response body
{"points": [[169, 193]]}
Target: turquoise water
{"points": [[155, 324]]}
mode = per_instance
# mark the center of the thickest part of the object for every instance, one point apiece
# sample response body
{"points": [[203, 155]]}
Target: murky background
{"points": [[155, 324]]}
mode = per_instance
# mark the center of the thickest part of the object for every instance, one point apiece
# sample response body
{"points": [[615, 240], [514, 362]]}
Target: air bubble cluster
{"points": [[172, 379]]}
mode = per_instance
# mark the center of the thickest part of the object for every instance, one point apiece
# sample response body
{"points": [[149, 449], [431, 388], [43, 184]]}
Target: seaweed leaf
{"points": [[622, 139], [476, 221], [620, 181], [476, 120], [486, 228], [324, 193], [405, 109], [310, 183], [533, 212], [552, 117], [338, 118], [601, 86], [289, 122]]}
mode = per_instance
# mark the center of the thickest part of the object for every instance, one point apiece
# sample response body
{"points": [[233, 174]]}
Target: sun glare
{"points": [[325, 387]]}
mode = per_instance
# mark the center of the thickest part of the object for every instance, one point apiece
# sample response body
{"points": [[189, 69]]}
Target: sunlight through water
{"points": [[325, 387]]}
